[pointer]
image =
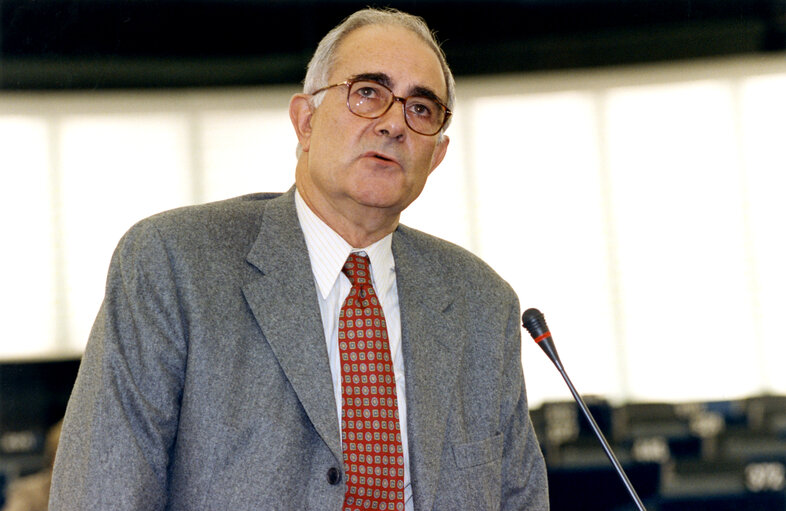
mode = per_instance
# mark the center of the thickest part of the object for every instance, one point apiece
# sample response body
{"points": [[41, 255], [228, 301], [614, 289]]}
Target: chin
{"points": [[382, 201], [392, 192]]}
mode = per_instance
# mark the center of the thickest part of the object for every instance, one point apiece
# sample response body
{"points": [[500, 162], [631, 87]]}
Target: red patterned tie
{"points": [[370, 434]]}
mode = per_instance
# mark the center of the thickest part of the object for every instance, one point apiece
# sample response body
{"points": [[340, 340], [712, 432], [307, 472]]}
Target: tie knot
{"points": [[357, 269]]}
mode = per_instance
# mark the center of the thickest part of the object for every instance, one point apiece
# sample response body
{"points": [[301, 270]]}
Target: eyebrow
{"points": [[385, 80]]}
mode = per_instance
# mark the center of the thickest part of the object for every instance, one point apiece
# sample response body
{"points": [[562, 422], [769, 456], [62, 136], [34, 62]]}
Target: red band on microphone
{"points": [[544, 336]]}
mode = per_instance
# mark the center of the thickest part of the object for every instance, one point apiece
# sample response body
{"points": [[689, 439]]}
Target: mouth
{"points": [[381, 157]]}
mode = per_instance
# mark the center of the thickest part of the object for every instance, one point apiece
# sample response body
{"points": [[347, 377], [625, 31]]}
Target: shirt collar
{"points": [[328, 252]]}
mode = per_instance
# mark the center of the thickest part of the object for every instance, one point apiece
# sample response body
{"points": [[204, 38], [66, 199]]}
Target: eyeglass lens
{"points": [[371, 99]]}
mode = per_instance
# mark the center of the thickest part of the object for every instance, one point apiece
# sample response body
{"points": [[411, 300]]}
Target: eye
{"points": [[367, 90], [421, 107]]}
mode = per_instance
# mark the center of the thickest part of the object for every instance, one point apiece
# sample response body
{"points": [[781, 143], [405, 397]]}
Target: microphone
{"points": [[535, 323]]}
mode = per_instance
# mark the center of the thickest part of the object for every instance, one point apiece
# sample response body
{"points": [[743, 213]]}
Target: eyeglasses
{"points": [[370, 100]]}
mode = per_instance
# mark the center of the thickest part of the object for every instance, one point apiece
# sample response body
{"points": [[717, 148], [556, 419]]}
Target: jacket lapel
{"points": [[283, 299], [431, 354]]}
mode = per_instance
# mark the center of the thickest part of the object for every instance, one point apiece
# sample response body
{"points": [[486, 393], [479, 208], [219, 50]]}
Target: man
{"points": [[243, 358]]}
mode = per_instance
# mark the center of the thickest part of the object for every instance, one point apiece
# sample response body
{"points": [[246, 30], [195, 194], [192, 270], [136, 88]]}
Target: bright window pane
{"points": [[116, 170], [540, 211], [678, 217], [247, 152], [27, 260], [764, 112]]}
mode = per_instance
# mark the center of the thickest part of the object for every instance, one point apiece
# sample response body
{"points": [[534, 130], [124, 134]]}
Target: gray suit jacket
{"points": [[206, 383]]}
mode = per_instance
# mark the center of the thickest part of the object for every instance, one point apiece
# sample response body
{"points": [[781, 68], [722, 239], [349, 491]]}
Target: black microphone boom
{"points": [[535, 323]]}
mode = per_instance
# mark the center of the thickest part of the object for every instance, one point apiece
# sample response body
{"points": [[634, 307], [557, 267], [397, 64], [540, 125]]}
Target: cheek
{"points": [[426, 161], [327, 142], [326, 123]]}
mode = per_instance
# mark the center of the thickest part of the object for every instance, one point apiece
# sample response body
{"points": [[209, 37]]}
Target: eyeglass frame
{"points": [[349, 83]]}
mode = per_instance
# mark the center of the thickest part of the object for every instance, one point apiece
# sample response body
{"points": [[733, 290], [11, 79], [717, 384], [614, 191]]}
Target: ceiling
{"points": [[104, 44]]}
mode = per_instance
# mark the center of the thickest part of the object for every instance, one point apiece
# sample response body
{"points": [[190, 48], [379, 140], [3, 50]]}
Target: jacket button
{"points": [[333, 476]]}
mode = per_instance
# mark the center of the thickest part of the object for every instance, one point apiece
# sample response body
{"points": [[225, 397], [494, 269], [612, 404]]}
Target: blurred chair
{"points": [[31, 492]]}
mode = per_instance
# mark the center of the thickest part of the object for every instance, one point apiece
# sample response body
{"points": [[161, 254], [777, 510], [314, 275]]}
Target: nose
{"points": [[392, 123]]}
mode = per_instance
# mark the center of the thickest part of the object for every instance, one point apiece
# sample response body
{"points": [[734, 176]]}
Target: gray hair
{"points": [[324, 58]]}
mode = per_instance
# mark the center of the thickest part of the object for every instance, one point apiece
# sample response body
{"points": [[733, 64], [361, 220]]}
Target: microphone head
{"points": [[535, 323]]}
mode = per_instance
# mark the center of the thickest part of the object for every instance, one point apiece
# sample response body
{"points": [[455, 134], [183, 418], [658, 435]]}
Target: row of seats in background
{"points": [[33, 398], [724, 455]]}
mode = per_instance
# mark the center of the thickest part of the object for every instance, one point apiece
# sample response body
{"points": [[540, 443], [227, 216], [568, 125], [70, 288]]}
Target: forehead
{"points": [[391, 50]]}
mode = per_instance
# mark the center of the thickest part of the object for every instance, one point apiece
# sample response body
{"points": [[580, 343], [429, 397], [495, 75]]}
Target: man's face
{"points": [[358, 165]]}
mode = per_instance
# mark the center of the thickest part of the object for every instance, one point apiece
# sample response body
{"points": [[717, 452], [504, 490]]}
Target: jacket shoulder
{"points": [[236, 218], [450, 261], [212, 213]]}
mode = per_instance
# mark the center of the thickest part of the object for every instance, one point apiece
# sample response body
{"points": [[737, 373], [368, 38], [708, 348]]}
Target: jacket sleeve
{"points": [[524, 481], [121, 420]]}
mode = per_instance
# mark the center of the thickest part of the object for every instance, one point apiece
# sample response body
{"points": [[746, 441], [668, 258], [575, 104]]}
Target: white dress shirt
{"points": [[328, 252]]}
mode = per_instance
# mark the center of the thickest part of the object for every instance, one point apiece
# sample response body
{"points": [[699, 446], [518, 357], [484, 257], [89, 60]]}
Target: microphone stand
{"points": [[535, 323]]}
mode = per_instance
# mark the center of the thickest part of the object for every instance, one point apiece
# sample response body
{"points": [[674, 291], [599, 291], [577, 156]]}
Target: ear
{"points": [[439, 153], [300, 113]]}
